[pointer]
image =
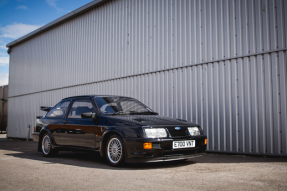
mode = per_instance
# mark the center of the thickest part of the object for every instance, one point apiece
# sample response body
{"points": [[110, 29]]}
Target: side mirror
{"points": [[87, 115]]}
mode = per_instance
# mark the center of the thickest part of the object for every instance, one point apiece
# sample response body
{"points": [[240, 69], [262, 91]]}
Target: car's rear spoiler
{"points": [[45, 108]]}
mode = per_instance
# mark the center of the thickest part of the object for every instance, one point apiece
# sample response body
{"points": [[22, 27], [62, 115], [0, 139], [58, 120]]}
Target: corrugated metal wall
{"points": [[221, 64]]}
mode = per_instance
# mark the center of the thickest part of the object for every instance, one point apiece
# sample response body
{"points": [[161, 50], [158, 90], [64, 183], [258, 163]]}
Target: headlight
{"points": [[193, 131], [155, 133]]}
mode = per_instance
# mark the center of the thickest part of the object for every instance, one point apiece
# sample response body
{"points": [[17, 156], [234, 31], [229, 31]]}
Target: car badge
{"points": [[177, 128]]}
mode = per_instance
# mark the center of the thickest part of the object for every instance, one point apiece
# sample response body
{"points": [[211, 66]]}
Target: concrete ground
{"points": [[23, 168]]}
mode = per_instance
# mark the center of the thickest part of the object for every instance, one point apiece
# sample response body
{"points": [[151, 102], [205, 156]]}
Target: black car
{"points": [[121, 128]]}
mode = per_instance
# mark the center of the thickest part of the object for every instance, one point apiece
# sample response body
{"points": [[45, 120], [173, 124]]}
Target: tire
{"points": [[115, 152], [46, 146]]}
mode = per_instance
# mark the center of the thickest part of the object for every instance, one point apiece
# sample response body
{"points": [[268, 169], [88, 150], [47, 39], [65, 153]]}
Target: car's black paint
{"points": [[92, 134]]}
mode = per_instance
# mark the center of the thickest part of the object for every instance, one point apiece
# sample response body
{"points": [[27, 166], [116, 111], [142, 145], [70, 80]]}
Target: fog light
{"points": [[155, 145], [147, 145], [205, 141]]}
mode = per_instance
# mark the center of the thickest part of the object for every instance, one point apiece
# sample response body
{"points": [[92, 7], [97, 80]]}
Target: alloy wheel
{"points": [[114, 150], [46, 144]]}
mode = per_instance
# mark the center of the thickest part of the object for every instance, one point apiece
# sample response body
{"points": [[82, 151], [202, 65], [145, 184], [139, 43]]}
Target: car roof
{"points": [[85, 96]]}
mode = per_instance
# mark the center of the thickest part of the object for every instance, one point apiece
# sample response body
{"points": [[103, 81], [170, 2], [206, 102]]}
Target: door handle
{"points": [[65, 122]]}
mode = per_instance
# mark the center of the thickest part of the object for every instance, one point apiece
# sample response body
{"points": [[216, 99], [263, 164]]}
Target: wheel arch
{"points": [[42, 132], [105, 139]]}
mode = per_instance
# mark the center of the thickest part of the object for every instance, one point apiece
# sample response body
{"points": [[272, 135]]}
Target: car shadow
{"points": [[28, 150]]}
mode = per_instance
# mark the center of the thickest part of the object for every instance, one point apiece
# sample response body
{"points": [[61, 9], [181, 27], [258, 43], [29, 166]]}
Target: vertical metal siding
{"points": [[221, 64], [134, 37]]}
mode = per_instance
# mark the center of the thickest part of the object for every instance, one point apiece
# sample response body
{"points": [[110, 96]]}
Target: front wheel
{"points": [[115, 150], [46, 146]]}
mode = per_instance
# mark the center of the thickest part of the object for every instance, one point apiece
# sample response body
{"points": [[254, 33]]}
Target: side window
{"points": [[79, 107], [59, 110]]}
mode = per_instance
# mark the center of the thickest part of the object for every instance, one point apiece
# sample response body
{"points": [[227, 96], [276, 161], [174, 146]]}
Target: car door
{"points": [[77, 131], [54, 120]]}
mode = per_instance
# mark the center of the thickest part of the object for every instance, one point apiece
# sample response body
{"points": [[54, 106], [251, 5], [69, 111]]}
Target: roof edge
{"points": [[62, 19], [94, 95]]}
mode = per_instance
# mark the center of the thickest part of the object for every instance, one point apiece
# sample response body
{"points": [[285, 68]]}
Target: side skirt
{"points": [[72, 148]]}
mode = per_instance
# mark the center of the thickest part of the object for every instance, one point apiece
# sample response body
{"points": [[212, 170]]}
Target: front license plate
{"points": [[183, 144]]}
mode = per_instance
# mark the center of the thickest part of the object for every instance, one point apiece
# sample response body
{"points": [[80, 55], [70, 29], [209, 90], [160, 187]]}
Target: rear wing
{"points": [[45, 108]]}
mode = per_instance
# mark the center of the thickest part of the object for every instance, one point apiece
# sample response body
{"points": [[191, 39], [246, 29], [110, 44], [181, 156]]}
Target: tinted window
{"points": [[79, 107], [59, 110]]}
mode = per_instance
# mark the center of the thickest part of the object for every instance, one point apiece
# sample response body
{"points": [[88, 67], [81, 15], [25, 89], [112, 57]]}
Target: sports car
{"points": [[122, 129]]}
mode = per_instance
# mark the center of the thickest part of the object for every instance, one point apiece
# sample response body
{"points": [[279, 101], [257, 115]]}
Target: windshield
{"points": [[122, 105]]}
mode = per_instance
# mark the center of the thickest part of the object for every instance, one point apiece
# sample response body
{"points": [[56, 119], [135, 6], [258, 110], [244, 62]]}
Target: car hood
{"points": [[151, 120]]}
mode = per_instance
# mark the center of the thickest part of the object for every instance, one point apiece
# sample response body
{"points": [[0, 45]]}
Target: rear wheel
{"points": [[115, 150], [46, 146]]}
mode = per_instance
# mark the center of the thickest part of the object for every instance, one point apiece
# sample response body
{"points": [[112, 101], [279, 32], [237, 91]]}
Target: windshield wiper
{"points": [[144, 112], [117, 113], [132, 113]]}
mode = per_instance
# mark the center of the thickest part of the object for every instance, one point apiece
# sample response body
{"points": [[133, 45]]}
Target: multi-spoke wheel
{"points": [[47, 146], [115, 150]]}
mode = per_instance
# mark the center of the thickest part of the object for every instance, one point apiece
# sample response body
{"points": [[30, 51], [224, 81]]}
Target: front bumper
{"points": [[163, 151]]}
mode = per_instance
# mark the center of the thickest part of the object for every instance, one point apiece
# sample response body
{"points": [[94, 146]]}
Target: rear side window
{"points": [[79, 107], [59, 110]]}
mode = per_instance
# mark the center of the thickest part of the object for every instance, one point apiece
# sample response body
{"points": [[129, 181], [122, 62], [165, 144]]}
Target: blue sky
{"points": [[19, 17]]}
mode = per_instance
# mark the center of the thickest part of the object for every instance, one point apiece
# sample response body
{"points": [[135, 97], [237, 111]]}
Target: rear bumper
{"points": [[35, 136], [163, 150]]}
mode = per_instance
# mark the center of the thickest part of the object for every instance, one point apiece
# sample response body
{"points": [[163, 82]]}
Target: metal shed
{"points": [[218, 63], [4, 108]]}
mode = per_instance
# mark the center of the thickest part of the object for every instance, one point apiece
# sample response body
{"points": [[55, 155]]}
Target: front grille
{"points": [[178, 133]]}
